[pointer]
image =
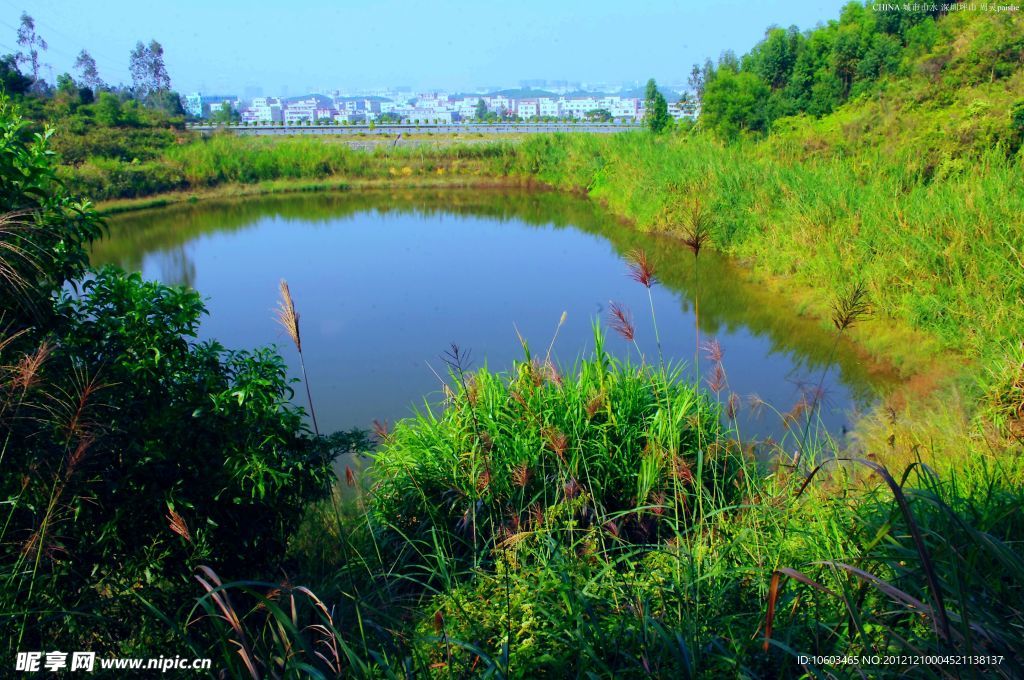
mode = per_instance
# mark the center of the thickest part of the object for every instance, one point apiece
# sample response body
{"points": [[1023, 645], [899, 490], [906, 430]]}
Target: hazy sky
{"points": [[223, 46]]}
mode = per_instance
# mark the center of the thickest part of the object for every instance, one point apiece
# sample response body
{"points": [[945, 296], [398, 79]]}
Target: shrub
{"points": [[131, 451], [610, 440]]}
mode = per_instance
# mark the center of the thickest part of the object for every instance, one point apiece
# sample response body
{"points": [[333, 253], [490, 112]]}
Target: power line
{"points": [[105, 65], [51, 29]]}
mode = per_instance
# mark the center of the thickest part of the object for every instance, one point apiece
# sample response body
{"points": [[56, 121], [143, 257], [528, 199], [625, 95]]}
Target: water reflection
{"points": [[385, 280]]}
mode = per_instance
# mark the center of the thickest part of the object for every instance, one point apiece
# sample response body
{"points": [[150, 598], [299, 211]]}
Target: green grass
{"points": [[936, 257], [600, 520], [228, 160]]}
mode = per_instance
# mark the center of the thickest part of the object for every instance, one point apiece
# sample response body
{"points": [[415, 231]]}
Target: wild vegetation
{"points": [[96, 383], [162, 495], [908, 189], [225, 159], [608, 519]]}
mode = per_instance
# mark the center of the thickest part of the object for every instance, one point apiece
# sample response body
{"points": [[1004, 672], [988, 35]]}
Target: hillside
{"points": [[956, 101], [910, 187]]}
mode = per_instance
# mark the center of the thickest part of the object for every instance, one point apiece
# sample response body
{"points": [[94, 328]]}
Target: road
{"points": [[394, 130]]}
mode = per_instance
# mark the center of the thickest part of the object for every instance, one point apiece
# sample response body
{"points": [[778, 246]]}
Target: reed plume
{"points": [[713, 351], [521, 475], [572, 489], [682, 470], [556, 441], [561, 321], [483, 481], [622, 321], [289, 320], [717, 380], [552, 374], [641, 271], [698, 232], [696, 235], [850, 308], [732, 406], [177, 524], [16, 231]]}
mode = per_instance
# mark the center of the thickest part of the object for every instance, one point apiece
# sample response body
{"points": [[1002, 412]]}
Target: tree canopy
{"points": [[656, 108], [813, 72]]}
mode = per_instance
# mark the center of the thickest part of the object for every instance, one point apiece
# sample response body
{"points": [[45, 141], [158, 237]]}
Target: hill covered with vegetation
{"points": [[905, 179]]}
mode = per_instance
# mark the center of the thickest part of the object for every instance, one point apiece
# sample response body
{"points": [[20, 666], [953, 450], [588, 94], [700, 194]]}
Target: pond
{"points": [[385, 282]]}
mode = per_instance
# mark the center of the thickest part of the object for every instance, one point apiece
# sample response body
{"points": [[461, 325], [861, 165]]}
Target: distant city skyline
{"points": [[240, 47]]}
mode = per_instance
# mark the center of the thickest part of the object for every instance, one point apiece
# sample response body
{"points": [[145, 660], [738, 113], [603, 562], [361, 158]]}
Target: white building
{"points": [[498, 104], [466, 108], [622, 108], [548, 108], [578, 107], [202, 105], [681, 111], [350, 118], [526, 108], [264, 110], [298, 112]]}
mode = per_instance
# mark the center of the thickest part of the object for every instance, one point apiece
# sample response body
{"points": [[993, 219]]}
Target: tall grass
{"points": [[546, 535], [604, 520], [939, 257], [226, 159]]}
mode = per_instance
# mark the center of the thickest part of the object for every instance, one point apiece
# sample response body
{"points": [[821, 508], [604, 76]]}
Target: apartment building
{"points": [[548, 108], [526, 108], [201, 105]]}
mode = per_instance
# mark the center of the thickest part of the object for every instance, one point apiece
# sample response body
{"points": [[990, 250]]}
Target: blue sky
{"points": [[303, 45]]}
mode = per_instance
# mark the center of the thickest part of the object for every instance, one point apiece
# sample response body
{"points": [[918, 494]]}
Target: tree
{"points": [[87, 73], [735, 102], [137, 66], [224, 115], [481, 109], [158, 70], [774, 58], [1017, 124], [167, 101], [696, 80], [67, 88], [656, 108], [32, 43], [149, 74], [150, 425], [108, 109], [728, 60], [11, 77]]}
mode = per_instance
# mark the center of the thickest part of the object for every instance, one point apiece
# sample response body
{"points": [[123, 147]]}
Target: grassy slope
{"points": [[902, 190]]}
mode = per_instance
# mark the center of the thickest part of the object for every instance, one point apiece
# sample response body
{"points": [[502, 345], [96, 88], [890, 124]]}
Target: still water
{"points": [[385, 282]]}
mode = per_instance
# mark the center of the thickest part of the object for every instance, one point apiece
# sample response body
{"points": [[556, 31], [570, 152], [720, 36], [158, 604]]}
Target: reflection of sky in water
{"points": [[382, 295]]}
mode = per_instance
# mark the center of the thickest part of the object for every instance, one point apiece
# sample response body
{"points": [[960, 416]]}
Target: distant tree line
{"points": [[150, 88], [813, 72]]}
